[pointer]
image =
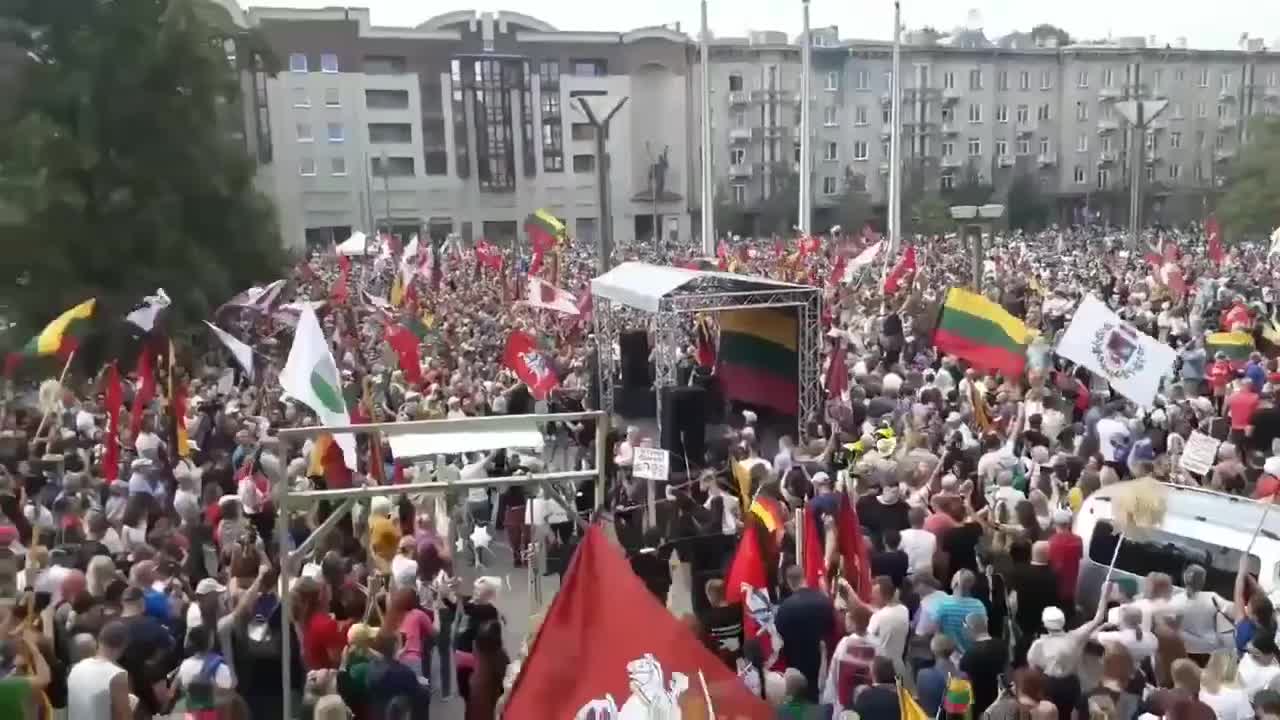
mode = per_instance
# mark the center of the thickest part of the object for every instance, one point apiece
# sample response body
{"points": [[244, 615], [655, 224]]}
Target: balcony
{"points": [[1106, 126], [1026, 128], [1046, 159], [740, 135], [884, 167], [1272, 93], [738, 97], [796, 134], [1223, 154], [1106, 158], [1005, 161], [886, 130], [1110, 93], [740, 171], [950, 95], [1227, 124], [1227, 95], [886, 97], [1152, 157], [952, 162], [772, 95], [1157, 125], [949, 128]]}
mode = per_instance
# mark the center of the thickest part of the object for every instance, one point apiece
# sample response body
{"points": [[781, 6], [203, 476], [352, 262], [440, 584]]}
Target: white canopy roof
{"points": [[357, 244], [517, 432], [642, 286]]}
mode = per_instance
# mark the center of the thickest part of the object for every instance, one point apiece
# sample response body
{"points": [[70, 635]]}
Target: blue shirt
{"points": [[1256, 375], [951, 613], [156, 605]]}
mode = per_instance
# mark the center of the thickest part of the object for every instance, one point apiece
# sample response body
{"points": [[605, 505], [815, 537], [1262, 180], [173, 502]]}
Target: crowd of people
{"points": [[158, 591]]}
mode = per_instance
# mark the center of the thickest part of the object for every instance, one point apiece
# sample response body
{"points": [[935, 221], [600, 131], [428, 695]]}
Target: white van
{"points": [[1202, 527]]}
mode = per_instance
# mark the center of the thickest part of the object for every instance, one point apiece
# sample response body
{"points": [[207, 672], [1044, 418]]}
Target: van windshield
{"points": [[1160, 551]]}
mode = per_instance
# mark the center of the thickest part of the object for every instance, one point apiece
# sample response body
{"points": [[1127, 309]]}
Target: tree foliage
{"points": [[780, 211], [931, 215], [1025, 205], [1045, 30], [1251, 203], [970, 188], [123, 166], [853, 206]]}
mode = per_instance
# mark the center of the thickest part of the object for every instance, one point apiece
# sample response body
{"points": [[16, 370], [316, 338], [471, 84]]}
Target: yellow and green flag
{"points": [[61, 336]]}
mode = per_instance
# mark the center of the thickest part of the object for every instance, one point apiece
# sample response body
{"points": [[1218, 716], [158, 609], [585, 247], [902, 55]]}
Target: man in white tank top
{"points": [[98, 688]]}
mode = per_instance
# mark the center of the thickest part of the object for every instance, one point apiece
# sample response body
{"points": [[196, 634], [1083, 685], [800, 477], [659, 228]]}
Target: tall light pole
{"points": [[1139, 113], [599, 111], [708, 172], [895, 137], [806, 159]]}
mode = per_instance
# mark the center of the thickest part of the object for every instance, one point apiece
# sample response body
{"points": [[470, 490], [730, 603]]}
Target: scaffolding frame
{"points": [[287, 499]]}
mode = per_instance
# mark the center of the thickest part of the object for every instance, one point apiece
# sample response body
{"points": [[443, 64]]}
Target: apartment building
{"points": [[466, 124], [998, 109]]}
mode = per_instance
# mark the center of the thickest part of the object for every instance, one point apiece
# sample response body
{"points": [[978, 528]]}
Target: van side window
{"points": [[1161, 551]]}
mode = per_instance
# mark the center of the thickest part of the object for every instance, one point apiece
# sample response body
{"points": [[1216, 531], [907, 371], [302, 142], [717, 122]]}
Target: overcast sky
{"points": [[1216, 24]]}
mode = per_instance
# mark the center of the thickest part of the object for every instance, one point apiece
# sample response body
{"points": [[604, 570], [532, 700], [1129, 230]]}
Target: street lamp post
{"points": [[708, 188], [599, 111], [981, 218], [806, 161]]}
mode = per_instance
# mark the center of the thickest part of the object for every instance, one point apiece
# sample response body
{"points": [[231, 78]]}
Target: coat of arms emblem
{"points": [[652, 698], [1118, 349]]}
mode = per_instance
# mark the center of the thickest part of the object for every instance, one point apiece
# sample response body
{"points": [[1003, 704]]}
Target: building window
{"points": [[797, 153], [1002, 148], [1220, 141], [975, 113], [328, 63], [582, 131], [304, 133], [1200, 139], [1151, 174], [1024, 80], [1204, 78], [1082, 143], [975, 147], [862, 81], [885, 151], [1180, 75], [886, 116], [1157, 77], [1104, 179], [1202, 110], [1079, 175], [338, 166], [737, 156], [860, 115], [1175, 171], [1150, 140], [1224, 81], [1108, 77], [1024, 146], [735, 85], [380, 133], [307, 166], [1044, 146], [457, 100], [336, 133], [300, 98], [830, 152], [1002, 80], [1046, 79], [584, 163], [739, 194], [975, 79], [948, 149], [1175, 140], [829, 116], [589, 68], [1022, 114], [552, 130], [1197, 172], [1002, 113], [888, 80], [552, 147], [828, 185], [1082, 111], [947, 181], [1082, 79], [386, 99], [391, 166], [1043, 112], [1223, 112], [1176, 110], [859, 150], [492, 82], [332, 98], [833, 81], [297, 62], [1273, 78], [1106, 144], [949, 80]]}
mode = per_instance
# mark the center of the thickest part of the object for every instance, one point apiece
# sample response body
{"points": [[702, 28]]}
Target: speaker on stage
{"points": [[634, 403], [714, 396], [684, 423], [633, 347]]}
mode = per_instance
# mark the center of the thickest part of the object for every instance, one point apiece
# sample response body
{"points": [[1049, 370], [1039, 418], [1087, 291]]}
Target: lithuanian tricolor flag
{"points": [[1236, 345], [63, 334], [978, 330], [758, 363], [544, 230]]}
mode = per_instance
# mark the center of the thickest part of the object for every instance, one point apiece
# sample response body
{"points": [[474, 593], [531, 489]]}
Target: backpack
{"points": [[256, 638], [203, 687], [854, 670]]}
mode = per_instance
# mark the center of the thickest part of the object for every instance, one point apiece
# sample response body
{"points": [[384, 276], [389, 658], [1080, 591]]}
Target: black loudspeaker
{"points": [[635, 403], [633, 347], [684, 424], [715, 404]]}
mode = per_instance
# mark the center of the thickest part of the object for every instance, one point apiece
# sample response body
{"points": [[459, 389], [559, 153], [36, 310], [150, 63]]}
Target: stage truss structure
{"points": [[710, 292]]}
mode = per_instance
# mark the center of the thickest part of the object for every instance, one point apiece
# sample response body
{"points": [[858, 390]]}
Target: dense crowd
{"points": [[158, 592]]}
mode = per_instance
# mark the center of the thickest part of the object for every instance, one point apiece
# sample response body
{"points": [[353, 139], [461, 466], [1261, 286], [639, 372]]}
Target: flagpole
{"points": [[806, 61], [61, 378], [895, 138], [708, 170]]}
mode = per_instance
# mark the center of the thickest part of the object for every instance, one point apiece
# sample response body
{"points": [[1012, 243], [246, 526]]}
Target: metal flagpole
{"points": [[806, 160], [708, 170], [895, 140]]}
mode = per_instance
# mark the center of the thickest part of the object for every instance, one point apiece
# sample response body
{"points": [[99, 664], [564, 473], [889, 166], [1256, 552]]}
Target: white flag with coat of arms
{"points": [[1133, 362]]}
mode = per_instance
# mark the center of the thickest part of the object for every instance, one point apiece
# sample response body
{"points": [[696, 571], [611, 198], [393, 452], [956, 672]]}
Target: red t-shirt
{"points": [[1065, 551], [1267, 486], [938, 523], [322, 642], [1240, 407], [1220, 373]]}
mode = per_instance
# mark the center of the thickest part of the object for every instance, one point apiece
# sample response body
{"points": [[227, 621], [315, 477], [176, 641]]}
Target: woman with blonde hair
{"points": [[1220, 689]]}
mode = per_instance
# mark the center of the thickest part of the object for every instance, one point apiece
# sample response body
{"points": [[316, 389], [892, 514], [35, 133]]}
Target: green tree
{"points": [[970, 188], [1025, 205], [931, 215], [1045, 30], [731, 218], [1251, 203], [123, 165], [778, 213], [853, 206]]}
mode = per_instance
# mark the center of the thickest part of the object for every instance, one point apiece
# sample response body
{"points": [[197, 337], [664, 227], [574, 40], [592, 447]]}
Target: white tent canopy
{"points": [[357, 244], [510, 432], [642, 286]]}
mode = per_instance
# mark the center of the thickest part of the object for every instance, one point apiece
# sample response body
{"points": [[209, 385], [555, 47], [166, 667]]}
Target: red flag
{"points": [[837, 270], [585, 305], [905, 268], [523, 355], [488, 255], [749, 573], [405, 344], [339, 293], [809, 244], [850, 542], [146, 390], [837, 373], [111, 442], [722, 254], [1214, 231], [607, 644]]}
